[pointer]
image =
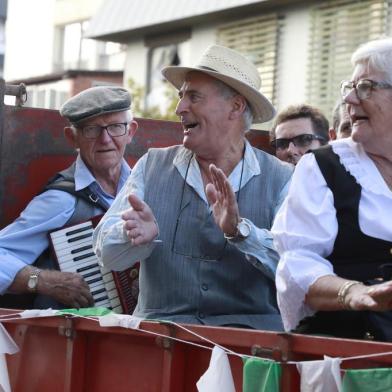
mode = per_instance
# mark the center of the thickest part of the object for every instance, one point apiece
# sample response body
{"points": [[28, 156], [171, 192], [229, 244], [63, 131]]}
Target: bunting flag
{"points": [[120, 320], [31, 313], [368, 380], [260, 375], [7, 346], [85, 312], [320, 376], [218, 376]]}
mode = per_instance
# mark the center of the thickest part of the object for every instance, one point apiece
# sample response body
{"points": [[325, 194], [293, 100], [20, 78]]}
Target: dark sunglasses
{"points": [[304, 140]]}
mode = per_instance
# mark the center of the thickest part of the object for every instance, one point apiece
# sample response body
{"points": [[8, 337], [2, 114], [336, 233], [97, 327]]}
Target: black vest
{"points": [[355, 256]]}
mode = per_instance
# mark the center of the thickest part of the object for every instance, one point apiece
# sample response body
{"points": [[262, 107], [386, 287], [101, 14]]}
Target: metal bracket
{"points": [[67, 329], [165, 342], [18, 91], [264, 352]]}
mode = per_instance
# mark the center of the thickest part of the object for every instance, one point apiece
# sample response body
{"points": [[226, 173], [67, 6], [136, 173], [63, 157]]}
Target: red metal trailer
{"points": [[73, 354]]}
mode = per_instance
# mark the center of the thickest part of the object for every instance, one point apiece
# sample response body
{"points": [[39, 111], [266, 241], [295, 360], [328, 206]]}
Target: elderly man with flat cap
{"points": [[101, 125], [198, 215]]}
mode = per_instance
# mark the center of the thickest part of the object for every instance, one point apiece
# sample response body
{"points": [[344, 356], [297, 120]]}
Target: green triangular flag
{"points": [[368, 380], [85, 312], [260, 375]]}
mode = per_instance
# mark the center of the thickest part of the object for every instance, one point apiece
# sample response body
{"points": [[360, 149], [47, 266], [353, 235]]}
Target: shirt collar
{"points": [[251, 167], [84, 178]]}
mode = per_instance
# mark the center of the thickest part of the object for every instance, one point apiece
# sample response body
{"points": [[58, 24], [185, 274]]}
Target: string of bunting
{"points": [[86, 313], [260, 374]]}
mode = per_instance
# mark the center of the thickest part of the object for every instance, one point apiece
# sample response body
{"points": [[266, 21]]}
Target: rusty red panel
{"points": [[33, 149]]}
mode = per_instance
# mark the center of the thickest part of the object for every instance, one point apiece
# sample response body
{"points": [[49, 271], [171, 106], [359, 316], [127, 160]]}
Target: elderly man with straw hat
{"points": [[198, 215]]}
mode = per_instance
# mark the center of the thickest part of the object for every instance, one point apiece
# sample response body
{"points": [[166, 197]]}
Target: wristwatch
{"points": [[32, 283], [242, 231]]}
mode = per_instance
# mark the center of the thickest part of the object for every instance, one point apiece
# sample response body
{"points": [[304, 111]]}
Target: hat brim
{"points": [[261, 107]]}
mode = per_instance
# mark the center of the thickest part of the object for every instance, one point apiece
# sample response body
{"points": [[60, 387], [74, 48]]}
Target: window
{"points": [[48, 96], [257, 38], [338, 28], [159, 57], [110, 55], [73, 51], [163, 50]]}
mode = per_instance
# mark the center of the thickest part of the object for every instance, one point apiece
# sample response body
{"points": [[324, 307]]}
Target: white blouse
{"points": [[305, 227]]}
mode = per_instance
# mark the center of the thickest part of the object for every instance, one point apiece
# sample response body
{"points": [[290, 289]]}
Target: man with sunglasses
{"points": [[296, 130], [101, 126]]}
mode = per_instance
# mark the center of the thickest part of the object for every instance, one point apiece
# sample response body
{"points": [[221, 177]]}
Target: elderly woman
{"points": [[334, 231]]}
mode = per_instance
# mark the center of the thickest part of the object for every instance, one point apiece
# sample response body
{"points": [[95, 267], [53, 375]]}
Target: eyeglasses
{"points": [[363, 87], [94, 131], [303, 140]]}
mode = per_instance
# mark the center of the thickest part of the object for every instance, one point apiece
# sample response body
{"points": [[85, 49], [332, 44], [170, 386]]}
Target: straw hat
{"points": [[233, 69]]}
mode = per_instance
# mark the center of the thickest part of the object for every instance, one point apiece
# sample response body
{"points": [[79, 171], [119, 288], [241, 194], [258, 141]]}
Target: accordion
{"points": [[73, 250]]}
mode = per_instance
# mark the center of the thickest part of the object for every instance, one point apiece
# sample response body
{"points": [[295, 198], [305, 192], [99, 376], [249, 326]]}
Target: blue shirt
{"points": [[23, 241]]}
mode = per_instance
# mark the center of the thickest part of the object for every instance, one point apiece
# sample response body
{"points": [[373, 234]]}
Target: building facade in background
{"points": [[301, 48], [48, 51]]}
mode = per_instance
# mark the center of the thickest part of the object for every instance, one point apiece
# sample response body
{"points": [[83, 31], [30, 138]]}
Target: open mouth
{"points": [[188, 127], [358, 119]]}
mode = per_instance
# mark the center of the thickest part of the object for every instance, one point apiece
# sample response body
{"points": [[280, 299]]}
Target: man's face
{"points": [[290, 129], [105, 152], [204, 115], [344, 128]]}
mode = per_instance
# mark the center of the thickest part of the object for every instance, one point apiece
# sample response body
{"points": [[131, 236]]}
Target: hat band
{"points": [[207, 68]]}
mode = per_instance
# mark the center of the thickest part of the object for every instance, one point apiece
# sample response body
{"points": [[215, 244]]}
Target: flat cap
{"points": [[96, 101]]}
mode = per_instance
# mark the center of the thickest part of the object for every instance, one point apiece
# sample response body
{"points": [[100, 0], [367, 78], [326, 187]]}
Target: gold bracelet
{"points": [[342, 293]]}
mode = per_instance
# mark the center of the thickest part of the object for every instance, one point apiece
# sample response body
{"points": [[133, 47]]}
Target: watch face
{"points": [[243, 229], [32, 282]]}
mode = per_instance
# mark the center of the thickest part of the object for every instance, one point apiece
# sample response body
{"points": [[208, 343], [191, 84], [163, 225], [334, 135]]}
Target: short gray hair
{"points": [[227, 92], [376, 54]]}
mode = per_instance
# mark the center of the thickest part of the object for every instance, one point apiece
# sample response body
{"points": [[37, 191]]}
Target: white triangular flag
{"points": [[7, 346], [218, 376], [4, 378], [120, 320], [320, 376], [32, 313]]}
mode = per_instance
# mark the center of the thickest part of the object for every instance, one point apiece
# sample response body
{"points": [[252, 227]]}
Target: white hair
{"points": [[377, 55], [129, 115], [227, 92]]}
